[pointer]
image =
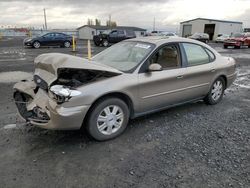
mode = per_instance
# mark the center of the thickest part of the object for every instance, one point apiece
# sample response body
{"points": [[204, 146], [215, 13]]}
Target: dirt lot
{"points": [[194, 145]]}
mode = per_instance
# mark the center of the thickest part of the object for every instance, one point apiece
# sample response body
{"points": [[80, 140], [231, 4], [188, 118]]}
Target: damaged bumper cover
{"points": [[35, 106]]}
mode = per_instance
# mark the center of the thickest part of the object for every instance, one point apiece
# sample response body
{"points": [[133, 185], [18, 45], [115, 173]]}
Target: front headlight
{"points": [[62, 93], [28, 40]]}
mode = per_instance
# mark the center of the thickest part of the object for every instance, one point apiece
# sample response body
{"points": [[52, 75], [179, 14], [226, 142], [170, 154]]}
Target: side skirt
{"points": [[165, 107]]}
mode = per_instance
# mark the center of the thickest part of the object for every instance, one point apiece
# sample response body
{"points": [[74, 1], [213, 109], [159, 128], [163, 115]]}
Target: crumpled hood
{"points": [[46, 65]]}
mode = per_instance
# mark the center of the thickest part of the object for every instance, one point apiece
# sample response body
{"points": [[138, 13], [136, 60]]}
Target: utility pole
{"points": [[154, 25], [110, 20], [45, 20]]}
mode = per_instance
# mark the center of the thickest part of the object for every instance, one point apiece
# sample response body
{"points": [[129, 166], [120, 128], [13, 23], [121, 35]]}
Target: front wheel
{"points": [[216, 92], [105, 43], [36, 44], [107, 119]]}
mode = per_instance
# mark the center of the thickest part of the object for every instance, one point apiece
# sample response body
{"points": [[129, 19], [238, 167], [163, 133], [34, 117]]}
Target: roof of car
{"points": [[103, 27], [158, 40]]}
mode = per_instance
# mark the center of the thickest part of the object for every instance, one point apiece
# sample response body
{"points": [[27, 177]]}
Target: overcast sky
{"points": [[141, 13]]}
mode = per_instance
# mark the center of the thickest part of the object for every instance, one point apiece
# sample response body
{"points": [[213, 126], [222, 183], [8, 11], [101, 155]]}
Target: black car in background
{"points": [[49, 39], [105, 39]]}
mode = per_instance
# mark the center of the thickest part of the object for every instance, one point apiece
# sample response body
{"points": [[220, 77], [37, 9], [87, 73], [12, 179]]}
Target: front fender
{"points": [[26, 87]]}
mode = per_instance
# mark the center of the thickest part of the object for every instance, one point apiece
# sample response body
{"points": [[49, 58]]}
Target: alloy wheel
{"points": [[110, 119], [217, 90], [36, 44], [67, 44]]}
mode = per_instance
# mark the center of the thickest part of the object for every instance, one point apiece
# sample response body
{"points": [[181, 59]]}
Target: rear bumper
{"points": [[42, 111]]}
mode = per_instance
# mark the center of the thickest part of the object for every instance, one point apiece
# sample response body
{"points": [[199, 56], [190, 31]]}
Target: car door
{"points": [[158, 89], [113, 36], [199, 71], [48, 39], [59, 39], [120, 35]]}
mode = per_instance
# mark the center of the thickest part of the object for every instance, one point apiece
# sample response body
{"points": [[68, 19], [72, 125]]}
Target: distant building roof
{"points": [[224, 21], [102, 27]]}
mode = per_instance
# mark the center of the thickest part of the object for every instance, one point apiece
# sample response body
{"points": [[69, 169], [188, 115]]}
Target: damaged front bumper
{"points": [[35, 106]]}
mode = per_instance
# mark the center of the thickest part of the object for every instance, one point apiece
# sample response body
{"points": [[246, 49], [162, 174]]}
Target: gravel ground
{"points": [[193, 145]]}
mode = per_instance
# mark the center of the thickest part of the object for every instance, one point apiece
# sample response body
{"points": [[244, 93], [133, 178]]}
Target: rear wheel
{"points": [[66, 44], [225, 46], [108, 119], [36, 44], [216, 92]]}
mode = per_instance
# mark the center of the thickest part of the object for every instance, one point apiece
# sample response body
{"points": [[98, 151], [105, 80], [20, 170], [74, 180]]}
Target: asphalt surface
{"points": [[194, 145]]}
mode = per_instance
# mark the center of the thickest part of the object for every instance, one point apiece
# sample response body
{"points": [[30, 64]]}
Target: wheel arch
{"points": [[124, 97], [224, 78]]}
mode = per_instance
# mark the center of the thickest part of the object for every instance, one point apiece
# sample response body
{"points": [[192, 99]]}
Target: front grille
{"points": [[40, 82]]}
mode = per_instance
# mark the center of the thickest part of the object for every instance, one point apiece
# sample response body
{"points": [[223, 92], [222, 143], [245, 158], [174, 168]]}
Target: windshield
{"points": [[124, 56]]}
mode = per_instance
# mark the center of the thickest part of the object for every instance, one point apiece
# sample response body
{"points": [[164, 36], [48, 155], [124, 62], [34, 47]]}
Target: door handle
{"points": [[213, 70], [179, 77]]}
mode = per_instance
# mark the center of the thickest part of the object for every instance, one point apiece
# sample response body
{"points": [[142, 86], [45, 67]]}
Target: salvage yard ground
{"points": [[194, 145]]}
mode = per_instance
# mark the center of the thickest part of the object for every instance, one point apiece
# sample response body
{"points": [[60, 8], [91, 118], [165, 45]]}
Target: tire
{"points": [[248, 46], [225, 46], [105, 43], [109, 125], [96, 43], [216, 92], [36, 44], [66, 44]]}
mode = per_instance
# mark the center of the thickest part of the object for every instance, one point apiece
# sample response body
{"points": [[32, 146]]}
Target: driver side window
{"points": [[167, 57], [114, 32]]}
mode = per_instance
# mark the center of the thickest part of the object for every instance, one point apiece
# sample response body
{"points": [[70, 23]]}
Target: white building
{"points": [[209, 26], [88, 31]]}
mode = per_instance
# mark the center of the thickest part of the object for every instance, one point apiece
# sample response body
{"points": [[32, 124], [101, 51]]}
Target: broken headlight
{"points": [[62, 93]]}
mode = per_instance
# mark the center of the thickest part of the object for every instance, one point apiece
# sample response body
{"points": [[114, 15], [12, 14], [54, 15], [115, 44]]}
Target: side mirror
{"points": [[155, 67]]}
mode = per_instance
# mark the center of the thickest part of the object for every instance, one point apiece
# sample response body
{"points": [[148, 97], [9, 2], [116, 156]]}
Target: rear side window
{"points": [[211, 55], [196, 55], [120, 32]]}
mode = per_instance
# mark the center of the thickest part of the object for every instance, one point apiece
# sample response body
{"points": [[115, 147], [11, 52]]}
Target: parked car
{"points": [[222, 38], [130, 79], [168, 34], [203, 37], [105, 39], [238, 40], [49, 39]]}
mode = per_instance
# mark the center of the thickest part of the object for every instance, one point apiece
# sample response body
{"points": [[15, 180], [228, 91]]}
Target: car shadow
{"points": [[62, 138]]}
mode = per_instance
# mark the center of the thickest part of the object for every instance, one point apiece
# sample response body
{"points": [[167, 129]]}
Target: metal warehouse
{"points": [[209, 26], [88, 31]]}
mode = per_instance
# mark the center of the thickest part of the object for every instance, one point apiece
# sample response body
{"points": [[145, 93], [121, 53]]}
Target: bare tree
{"points": [[111, 23], [90, 22], [97, 22]]}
